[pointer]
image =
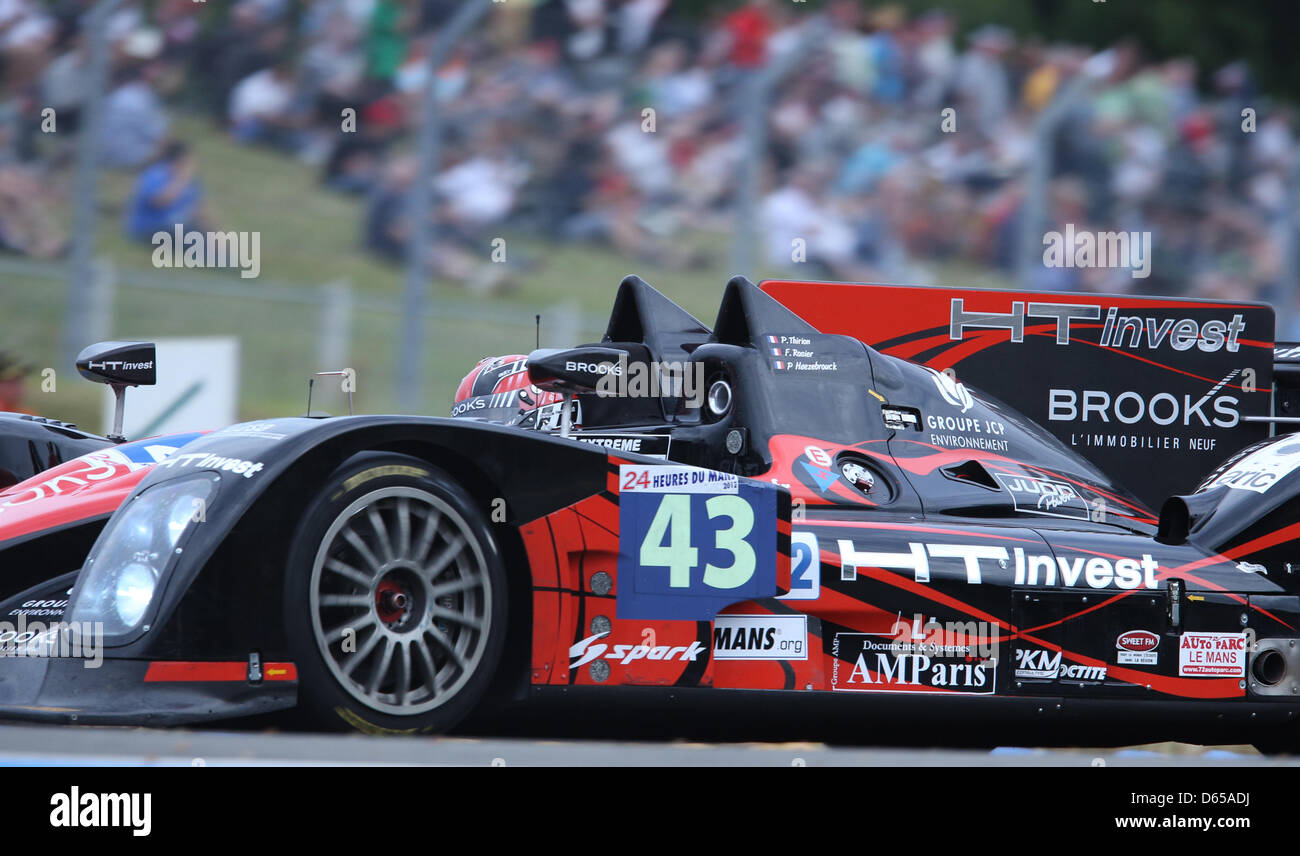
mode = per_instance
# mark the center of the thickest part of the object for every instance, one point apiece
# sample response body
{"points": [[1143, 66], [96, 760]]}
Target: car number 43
{"points": [[685, 555]]}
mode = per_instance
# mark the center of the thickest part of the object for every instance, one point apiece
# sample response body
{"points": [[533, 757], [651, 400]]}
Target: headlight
{"points": [[122, 574]]}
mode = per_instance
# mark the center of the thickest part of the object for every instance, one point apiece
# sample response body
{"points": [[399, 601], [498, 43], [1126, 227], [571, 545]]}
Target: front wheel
{"points": [[395, 599]]}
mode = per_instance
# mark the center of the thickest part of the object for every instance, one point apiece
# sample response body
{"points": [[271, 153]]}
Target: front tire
{"points": [[395, 599]]}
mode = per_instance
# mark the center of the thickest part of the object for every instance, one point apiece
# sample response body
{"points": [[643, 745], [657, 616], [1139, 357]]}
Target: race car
{"points": [[758, 506]]}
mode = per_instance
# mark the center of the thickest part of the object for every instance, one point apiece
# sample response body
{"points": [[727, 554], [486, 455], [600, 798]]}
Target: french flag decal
{"points": [[772, 339], [779, 364], [776, 352]]}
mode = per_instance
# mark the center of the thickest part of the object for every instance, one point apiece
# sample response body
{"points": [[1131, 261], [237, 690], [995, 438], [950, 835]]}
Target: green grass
{"points": [[310, 237]]}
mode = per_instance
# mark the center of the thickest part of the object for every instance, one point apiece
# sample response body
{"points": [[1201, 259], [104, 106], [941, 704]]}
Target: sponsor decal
{"points": [[1134, 332], [1137, 648], [1096, 406], [593, 368], [820, 457], [805, 567], [962, 431], [481, 402], [119, 365], [635, 478], [1030, 569], [654, 445], [760, 637], [952, 391], [98, 466], [1212, 655], [1044, 496], [261, 430], [1260, 470], [42, 607], [582, 653], [1039, 664], [823, 478], [866, 662], [205, 461]]}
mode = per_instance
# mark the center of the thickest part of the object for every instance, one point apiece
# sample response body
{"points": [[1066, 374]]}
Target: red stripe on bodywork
{"points": [[179, 671]]}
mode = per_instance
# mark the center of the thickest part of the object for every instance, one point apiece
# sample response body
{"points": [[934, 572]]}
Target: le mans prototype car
{"points": [[761, 506]]}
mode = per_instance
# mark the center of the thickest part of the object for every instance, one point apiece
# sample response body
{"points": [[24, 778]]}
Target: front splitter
{"points": [[137, 692]]}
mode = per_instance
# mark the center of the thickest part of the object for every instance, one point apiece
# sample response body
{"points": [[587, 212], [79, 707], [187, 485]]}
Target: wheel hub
{"points": [[393, 601]]}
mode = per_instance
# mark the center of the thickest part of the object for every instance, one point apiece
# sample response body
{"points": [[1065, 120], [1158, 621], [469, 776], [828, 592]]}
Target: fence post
{"points": [[99, 305], [333, 342], [1038, 176], [415, 297], [78, 312]]}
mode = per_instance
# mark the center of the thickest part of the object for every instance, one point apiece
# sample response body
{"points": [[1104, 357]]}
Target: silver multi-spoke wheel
{"points": [[401, 600]]}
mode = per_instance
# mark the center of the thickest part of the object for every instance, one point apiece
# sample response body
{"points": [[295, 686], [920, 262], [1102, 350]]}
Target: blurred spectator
{"points": [[134, 121], [620, 122], [982, 79], [263, 110], [28, 225], [167, 194]]}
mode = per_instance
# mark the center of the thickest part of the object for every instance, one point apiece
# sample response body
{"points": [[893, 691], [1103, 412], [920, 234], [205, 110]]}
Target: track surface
{"points": [[37, 745]]}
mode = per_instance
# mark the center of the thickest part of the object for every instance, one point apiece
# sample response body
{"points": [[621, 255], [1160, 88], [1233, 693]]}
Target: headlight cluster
{"points": [[121, 576]]}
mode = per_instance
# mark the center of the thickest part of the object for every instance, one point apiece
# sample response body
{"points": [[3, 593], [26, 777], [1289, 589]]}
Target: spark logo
{"points": [[582, 653]]}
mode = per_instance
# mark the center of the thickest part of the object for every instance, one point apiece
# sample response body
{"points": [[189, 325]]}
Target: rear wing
{"points": [[1154, 391]]}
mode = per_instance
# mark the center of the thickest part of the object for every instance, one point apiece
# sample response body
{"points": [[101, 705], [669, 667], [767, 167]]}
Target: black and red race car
{"points": [[757, 506]]}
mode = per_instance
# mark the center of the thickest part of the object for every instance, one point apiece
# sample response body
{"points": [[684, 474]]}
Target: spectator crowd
{"points": [[894, 144]]}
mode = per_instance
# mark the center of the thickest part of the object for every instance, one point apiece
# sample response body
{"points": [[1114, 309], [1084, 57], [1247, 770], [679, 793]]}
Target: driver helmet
{"points": [[498, 389]]}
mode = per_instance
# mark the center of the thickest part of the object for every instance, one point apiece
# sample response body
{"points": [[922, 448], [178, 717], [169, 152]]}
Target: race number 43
{"points": [[692, 541]]}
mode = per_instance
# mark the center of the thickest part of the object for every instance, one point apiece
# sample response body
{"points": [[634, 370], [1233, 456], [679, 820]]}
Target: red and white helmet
{"points": [[498, 389]]}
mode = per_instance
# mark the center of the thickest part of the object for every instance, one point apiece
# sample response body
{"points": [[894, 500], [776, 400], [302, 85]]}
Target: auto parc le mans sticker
{"points": [[1212, 655]]}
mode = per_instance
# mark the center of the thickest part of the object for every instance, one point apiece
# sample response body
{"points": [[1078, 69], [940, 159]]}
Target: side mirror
{"points": [[125, 363], [574, 370], [119, 364]]}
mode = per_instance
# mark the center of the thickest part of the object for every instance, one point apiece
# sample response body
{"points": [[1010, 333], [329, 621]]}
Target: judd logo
{"points": [[953, 392], [1044, 496], [1137, 647]]}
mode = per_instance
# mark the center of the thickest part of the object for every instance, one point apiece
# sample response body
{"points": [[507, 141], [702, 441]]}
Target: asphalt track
{"points": [[77, 746]]}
